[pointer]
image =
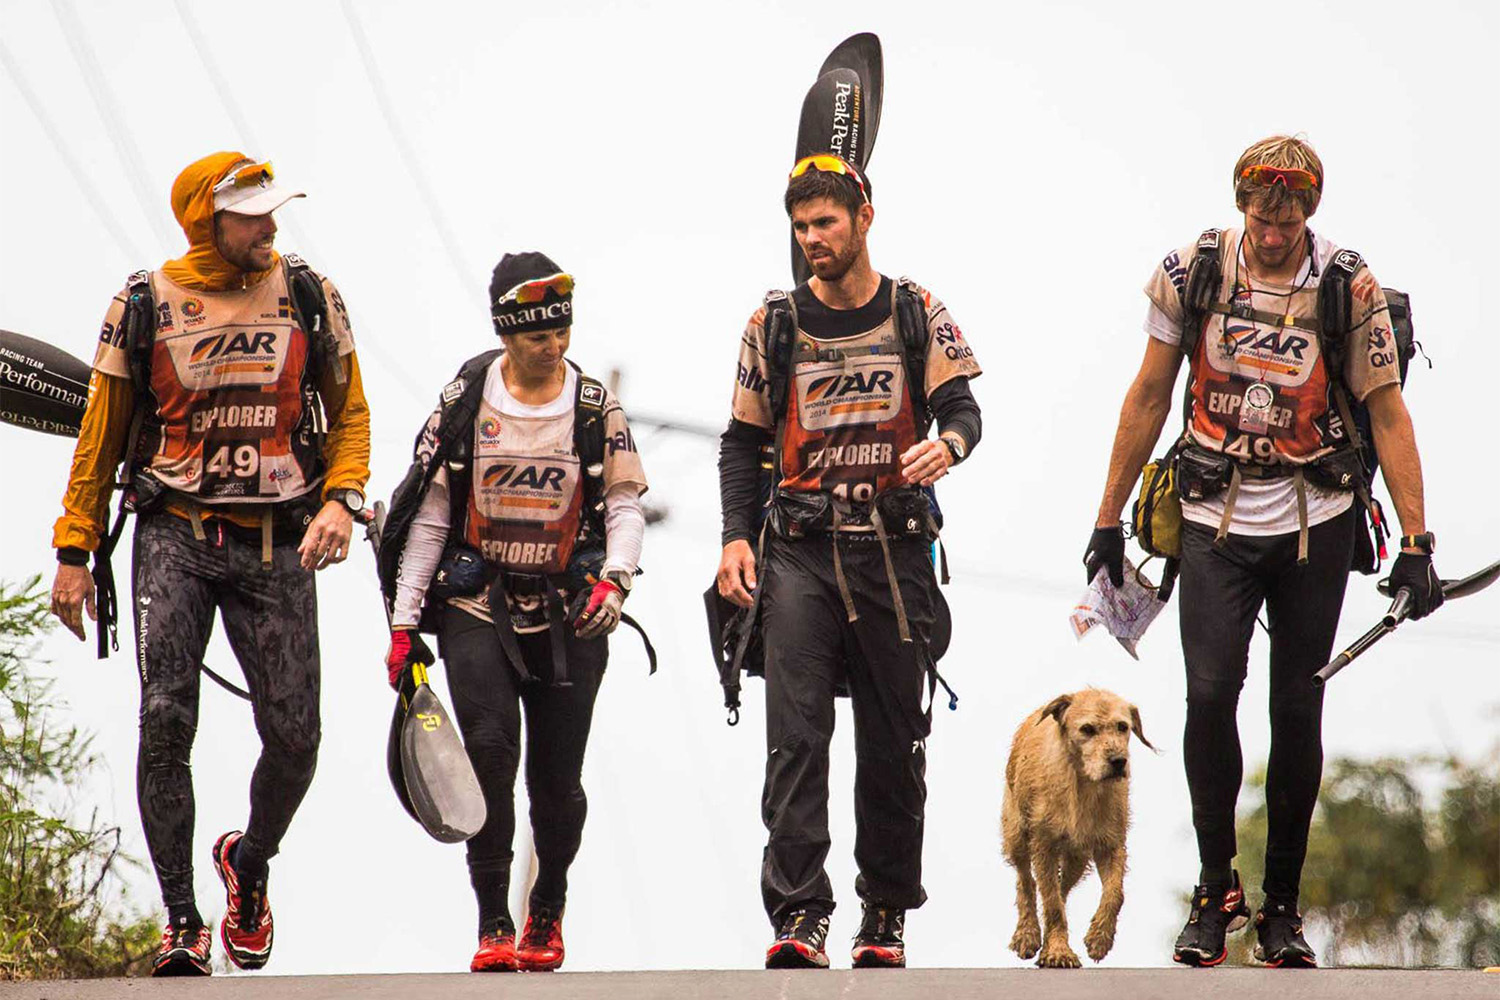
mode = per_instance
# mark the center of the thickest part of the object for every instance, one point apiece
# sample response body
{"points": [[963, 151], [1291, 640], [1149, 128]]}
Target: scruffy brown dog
{"points": [[1067, 805]]}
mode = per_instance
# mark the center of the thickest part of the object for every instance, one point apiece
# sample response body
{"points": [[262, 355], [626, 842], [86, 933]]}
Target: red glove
{"points": [[602, 613], [407, 648]]}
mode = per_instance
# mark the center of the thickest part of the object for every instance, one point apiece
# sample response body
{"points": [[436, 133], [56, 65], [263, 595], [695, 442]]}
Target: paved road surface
{"points": [[924, 984]]}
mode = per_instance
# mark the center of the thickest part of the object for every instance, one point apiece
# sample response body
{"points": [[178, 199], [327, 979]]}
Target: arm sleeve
{"points": [[955, 409], [424, 550], [624, 529], [346, 450], [101, 446], [739, 476]]}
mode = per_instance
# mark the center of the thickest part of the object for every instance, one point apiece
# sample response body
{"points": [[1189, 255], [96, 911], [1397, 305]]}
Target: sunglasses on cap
{"points": [[829, 164], [1291, 178], [250, 175], [529, 292]]}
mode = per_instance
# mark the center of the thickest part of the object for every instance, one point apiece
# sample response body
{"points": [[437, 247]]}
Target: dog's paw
{"points": [[1099, 940], [1057, 955], [1027, 940]]}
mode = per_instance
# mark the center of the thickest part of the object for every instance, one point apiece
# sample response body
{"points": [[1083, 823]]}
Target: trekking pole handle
{"points": [[1399, 610]]}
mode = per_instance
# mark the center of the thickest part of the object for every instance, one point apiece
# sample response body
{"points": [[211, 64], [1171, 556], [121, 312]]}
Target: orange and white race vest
{"points": [[234, 406]]}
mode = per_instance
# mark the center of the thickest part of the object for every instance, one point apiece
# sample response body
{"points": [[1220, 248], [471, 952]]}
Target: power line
{"points": [[112, 225], [408, 154], [370, 346], [114, 120]]}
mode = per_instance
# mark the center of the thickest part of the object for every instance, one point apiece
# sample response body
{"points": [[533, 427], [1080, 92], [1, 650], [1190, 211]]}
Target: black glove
{"points": [[1106, 548], [1414, 573]]}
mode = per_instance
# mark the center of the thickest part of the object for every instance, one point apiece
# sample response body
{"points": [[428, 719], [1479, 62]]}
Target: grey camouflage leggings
{"points": [[270, 617]]}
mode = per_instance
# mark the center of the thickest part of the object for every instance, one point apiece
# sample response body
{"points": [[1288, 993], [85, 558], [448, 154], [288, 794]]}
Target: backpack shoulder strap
{"points": [[1336, 302], [310, 307], [781, 333], [588, 441], [139, 322], [455, 443], [588, 420], [1200, 290], [910, 312]]}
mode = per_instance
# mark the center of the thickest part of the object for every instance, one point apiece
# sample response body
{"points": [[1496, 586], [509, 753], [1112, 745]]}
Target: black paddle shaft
{"points": [[1399, 610]]}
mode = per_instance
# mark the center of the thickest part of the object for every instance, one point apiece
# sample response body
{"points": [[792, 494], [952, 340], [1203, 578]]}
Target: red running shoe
{"points": [[246, 929], [184, 952], [800, 942], [541, 946], [497, 952], [879, 944]]}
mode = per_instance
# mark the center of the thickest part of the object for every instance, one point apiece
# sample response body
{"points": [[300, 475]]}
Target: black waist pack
{"points": [[462, 573], [906, 512], [1343, 469], [1202, 474], [798, 513]]}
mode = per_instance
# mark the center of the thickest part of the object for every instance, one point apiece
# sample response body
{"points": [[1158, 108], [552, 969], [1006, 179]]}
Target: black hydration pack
{"points": [[1334, 323], [138, 335]]}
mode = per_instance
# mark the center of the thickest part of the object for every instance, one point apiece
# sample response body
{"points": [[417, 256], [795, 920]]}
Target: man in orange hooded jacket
{"points": [[245, 433]]}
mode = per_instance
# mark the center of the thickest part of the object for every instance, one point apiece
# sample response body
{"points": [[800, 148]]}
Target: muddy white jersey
{"points": [[526, 495], [1237, 352]]}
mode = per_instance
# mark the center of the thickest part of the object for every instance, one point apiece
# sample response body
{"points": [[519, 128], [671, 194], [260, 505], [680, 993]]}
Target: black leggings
{"points": [[488, 698], [271, 618], [1223, 588]]}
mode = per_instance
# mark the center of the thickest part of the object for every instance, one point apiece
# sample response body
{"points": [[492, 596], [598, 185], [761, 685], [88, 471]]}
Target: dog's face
{"points": [[1095, 727]]}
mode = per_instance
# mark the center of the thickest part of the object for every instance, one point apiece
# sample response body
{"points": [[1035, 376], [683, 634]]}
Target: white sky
{"points": [[1035, 161]]}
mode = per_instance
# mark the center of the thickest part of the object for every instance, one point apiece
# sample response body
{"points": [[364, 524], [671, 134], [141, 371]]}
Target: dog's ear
{"points": [[1135, 725], [1055, 708]]}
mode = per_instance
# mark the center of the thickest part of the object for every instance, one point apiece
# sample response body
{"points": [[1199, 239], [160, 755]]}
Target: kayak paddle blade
{"points": [[49, 389], [440, 783]]}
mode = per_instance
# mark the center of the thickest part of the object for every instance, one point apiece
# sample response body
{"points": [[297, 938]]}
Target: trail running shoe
{"points": [[246, 929], [878, 943], [1213, 916], [799, 944], [541, 946], [184, 952], [1278, 932], [497, 951]]}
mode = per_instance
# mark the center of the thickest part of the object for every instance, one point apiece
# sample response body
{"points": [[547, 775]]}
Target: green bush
{"points": [[61, 902]]}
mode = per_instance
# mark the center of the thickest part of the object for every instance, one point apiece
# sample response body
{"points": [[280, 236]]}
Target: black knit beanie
{"points": [[510, 316]]}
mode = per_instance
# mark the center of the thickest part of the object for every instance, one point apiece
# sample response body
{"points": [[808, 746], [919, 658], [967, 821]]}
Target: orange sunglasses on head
{"points": [[1291, 178], [528, 292], [830, 164], [248, 175]]}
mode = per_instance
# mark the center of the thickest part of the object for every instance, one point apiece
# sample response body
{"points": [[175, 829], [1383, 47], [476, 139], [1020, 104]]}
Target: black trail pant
{"points": [[488, 698], [1223, 588], [810, 649], [271, 619]]}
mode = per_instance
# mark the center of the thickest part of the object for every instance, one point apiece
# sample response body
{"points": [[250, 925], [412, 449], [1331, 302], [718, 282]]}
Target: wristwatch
{"points": [[1424, 543], [352, 499], [622, 580], [955, 448]]}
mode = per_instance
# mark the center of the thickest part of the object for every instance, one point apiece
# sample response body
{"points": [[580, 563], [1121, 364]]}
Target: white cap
{"points": [[260, 198]]}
